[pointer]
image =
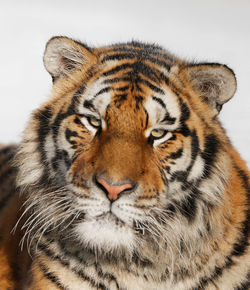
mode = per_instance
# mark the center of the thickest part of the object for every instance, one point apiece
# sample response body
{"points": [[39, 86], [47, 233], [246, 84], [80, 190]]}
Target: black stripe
{"points": [[210, 153], [102, 91], [45, 126], [195, 149], [61, 155], [167, 118], [147, 117], [116, 80], [52, 255], [185, 112], [182, 175], [239, 249], [204, 281], [118, 68], [146, 70], [242, 243], [162, 63], [159, 101], [89, 105], [163, 177], [176, 155], [61, 116], [122, 89], [120, 98], [66, 264], [146, 50], [51, 276], [108, 276], [170, 210], [136, 68], [43, 117], [118, 56], [151, 86], [138, 99], [245, 180], [188, 207], [68, 134]]}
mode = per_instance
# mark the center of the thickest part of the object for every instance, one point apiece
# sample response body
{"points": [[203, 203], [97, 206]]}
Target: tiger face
{"points": [[123, 155]]}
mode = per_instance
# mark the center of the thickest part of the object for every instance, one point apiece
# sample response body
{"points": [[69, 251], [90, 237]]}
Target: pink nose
{"points": [[114, 190]]}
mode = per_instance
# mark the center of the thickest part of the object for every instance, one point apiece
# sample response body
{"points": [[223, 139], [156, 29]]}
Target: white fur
{"points": [[104, 233], [182, 162], [100, 102], [156, 112], [197, 169], [57, 49], [161, 140], [99, 228], [30, 165], [49, 146]]}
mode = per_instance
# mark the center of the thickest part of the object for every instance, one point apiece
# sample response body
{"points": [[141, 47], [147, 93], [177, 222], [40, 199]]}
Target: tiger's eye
{"points": [[158, 133], [94, 122]]}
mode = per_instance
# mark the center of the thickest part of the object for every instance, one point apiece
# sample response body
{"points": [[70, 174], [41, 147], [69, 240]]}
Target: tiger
{"points": [[125, 178]]}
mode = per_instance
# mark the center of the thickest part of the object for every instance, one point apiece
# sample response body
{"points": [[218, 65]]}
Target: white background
{"points": [[214, 30]]}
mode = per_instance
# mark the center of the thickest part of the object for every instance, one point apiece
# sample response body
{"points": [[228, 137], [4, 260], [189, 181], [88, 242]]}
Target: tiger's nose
{"points": [[113, 191]]}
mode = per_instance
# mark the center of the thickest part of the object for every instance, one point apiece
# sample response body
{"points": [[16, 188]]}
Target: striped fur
{"points": [[126, 113]]}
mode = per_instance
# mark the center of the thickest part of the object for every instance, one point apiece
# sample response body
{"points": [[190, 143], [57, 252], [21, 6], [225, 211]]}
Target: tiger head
{"points": [[125, 152]]}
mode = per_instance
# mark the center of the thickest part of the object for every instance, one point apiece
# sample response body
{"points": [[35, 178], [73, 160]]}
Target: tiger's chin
{"points": [[106, 233]]}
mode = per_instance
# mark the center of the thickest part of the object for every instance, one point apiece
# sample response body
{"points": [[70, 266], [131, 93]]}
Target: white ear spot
{"points": [[63, 55]]}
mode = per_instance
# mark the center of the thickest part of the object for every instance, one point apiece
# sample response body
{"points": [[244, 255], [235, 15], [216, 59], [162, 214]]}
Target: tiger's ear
{"points": [[215, 83], [63, 55]]}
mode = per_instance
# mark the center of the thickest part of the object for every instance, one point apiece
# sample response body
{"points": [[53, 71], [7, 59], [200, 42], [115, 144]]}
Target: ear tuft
{"points": [[63, 55], [215, 83]]}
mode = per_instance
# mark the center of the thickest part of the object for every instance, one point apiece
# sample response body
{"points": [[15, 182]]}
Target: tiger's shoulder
{"points": [[13, 261]]}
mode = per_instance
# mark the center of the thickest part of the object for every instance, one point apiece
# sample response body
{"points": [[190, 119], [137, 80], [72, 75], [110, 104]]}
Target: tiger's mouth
{"points": [[110, 216]]}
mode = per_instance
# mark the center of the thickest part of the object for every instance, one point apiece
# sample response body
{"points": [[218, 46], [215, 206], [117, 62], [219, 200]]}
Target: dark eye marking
{"points": [[160, 102], [102, 91], [89, 105], [167, 118], [176, 155], [69, 134], [77, 121]]}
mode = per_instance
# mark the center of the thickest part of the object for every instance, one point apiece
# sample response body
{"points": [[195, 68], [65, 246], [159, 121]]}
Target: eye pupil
{"points": [[158, 133], [94, 122]]}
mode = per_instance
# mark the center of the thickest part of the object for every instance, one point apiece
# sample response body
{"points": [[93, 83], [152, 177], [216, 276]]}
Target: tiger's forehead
{"points": [[158, 105], [134, 77]]}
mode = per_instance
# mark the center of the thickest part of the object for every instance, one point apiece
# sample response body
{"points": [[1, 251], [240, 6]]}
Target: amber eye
{"points": [[158, 133], [93, 121]]}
